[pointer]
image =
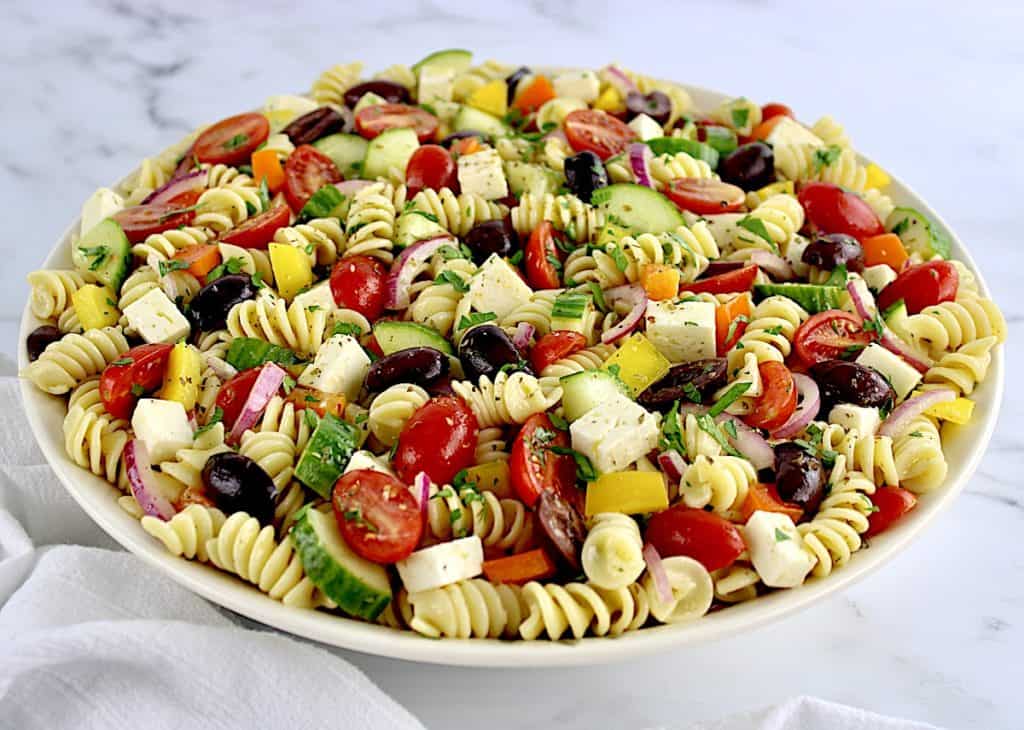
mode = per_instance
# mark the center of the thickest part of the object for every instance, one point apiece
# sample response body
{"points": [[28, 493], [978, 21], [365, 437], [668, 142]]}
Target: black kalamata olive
{"points": [[318, 123], [750, 167], [513, 79], [799, 476], [656, 105], [562, 525], [489, 237], [208, 310], [419, 365], [827, 251], [484, 349], [849, 382], [585, 173], [389, 91], [464, 134], [39, 338], [236, 483], [700, 377], [721, 267]]}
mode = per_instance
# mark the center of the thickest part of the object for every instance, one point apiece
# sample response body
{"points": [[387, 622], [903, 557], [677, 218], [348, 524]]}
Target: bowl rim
{"points": [[99, 500]]}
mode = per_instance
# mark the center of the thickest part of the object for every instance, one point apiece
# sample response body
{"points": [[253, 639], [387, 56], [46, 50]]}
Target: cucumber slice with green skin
{"points": [[395, 336], [918, 233], [583, 391], [326, 455], [105, 252], [812, 297], [675, 145], [571, 311], [359, 587], [248, 352], [327, 202], [455, 59], [416, 225], [637, 208], [721, 139], [468, 119], [389, 150], [524, 177], [896, 319], [347, 151]]}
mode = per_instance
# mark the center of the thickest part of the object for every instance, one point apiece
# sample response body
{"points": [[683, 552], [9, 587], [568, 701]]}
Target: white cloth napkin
{"points": [[92, 638]]}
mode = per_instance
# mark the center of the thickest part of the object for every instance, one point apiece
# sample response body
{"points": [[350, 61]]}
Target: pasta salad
{"points": [[482, 352]]}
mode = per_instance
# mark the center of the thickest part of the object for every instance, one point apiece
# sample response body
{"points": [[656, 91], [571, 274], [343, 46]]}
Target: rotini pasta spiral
{"points": [[73, 358], [590, 359], [536, 311], [371, 223], [869, 454], [139, 283], [52, 289], [839, 166], [719, 481], [613, 551], [331, 85], [782, 216], [218, 175], [439, 306], [491, 446], [740, 113], [469, 608], [834, 533], [468, 81], [400, 74], [456, 213], [880, 203], [273, 452], [501, 524], [162, 246], [223, 208], [188, 532], [554, 152], [209, 389], [321, 238], [831, 132], [507, 399], [268, 318], [578, 220], [92, 437], [392, 408], [920, 463], [691, 587], [943, 327], [252, 261], [281, 416], [553, 112], [578, 607], [187, 465], [962, 369], [738, 582], [769, 334]]}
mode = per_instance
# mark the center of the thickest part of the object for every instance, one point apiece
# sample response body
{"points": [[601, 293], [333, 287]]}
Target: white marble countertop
{"points": [[932, 91]]}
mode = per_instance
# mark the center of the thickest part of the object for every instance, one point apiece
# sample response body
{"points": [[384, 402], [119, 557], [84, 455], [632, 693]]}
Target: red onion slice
{"points": [[672, 463], [618, 78], [808, 403], [640, 162], [194, 182], [866, 309], [407, 266], [637, 299], [143, 482], [351, 187], [908, 410], [421, 490], [521, 338], [264, 388], [657, 570], [777, 266], [750, 443]]}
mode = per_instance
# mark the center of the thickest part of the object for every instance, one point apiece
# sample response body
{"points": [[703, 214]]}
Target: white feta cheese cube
{"points": [[879, 276], [101, 205], [442, 565], [318, 296], [162, 425], [864, 421], [156, 319], [790, 131], [340, 366], [645, 127], [777, 549], [615, 434], [682, 331], [496, 287], [363, 459], [582, 85], [902, 376], [435, 85], [483, 174], [795, 254]]}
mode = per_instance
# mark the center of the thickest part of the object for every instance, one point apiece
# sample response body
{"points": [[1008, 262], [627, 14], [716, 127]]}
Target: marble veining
{"points": [[929, 89]]}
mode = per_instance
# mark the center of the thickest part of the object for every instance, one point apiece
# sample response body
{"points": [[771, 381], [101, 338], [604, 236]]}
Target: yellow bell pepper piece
{"points": [[181, 381], [610, 100], [628, 492], [957, 411], [96, 307], [492, 477], [783, 187], [293, 271], [638, 364], [877, 177], [492, 98]]}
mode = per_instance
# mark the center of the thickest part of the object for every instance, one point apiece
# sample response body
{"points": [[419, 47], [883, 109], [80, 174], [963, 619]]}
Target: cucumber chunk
{"points": [[675, 145], [327, 202], [572, 311], [918, 233], [391, 150], [812, 297], [416, 225], [454, 59], [524, 177], [469, 119], [896, 319], [395, 336], [347, 151], [637, 208], [583, 391], [105, 252], [359, 587], [248, 352], [326, 455]]}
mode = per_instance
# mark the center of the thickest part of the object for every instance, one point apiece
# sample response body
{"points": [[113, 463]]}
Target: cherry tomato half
{"points": [[830, 209], [377, 515], [775, 109], [439, 439], [778, 401], [232, 141], [739, 280], [921, 286], [138, 371], [892, 503], [306, 171], [258, 231], [357, 282], [231, 396], [830, 335], [373, 120], [554, 346], [712, 541], [535, 467], [142, 221], [705, 196], [431, 166], [597, 131], [541, 272]]}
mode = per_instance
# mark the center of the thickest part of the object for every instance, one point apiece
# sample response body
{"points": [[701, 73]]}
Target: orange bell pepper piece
{"points": [[533, 96], [731, 321], [660, 281], [765, 498], [520, 568], [885, 248], [762, 130], [200, 260], [466, 146], [266, 166]]}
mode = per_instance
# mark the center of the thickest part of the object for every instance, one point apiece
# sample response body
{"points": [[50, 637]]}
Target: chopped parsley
{"points": [[429, 216], [672, 432], [215, 418], [231, 266], [837, 277], [450, 277], [311, 418], [621, 262], [706, 423], [691, 392], [758, 228], [474, 318], [137, 390], [597, 295], [166, 267], [558, 422], [235, 142], [123, 361], [781, 536], [346, 328], [728, 398], [355, 514], [98, 254], [585, 471], [826, 156], [740, 117]]}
